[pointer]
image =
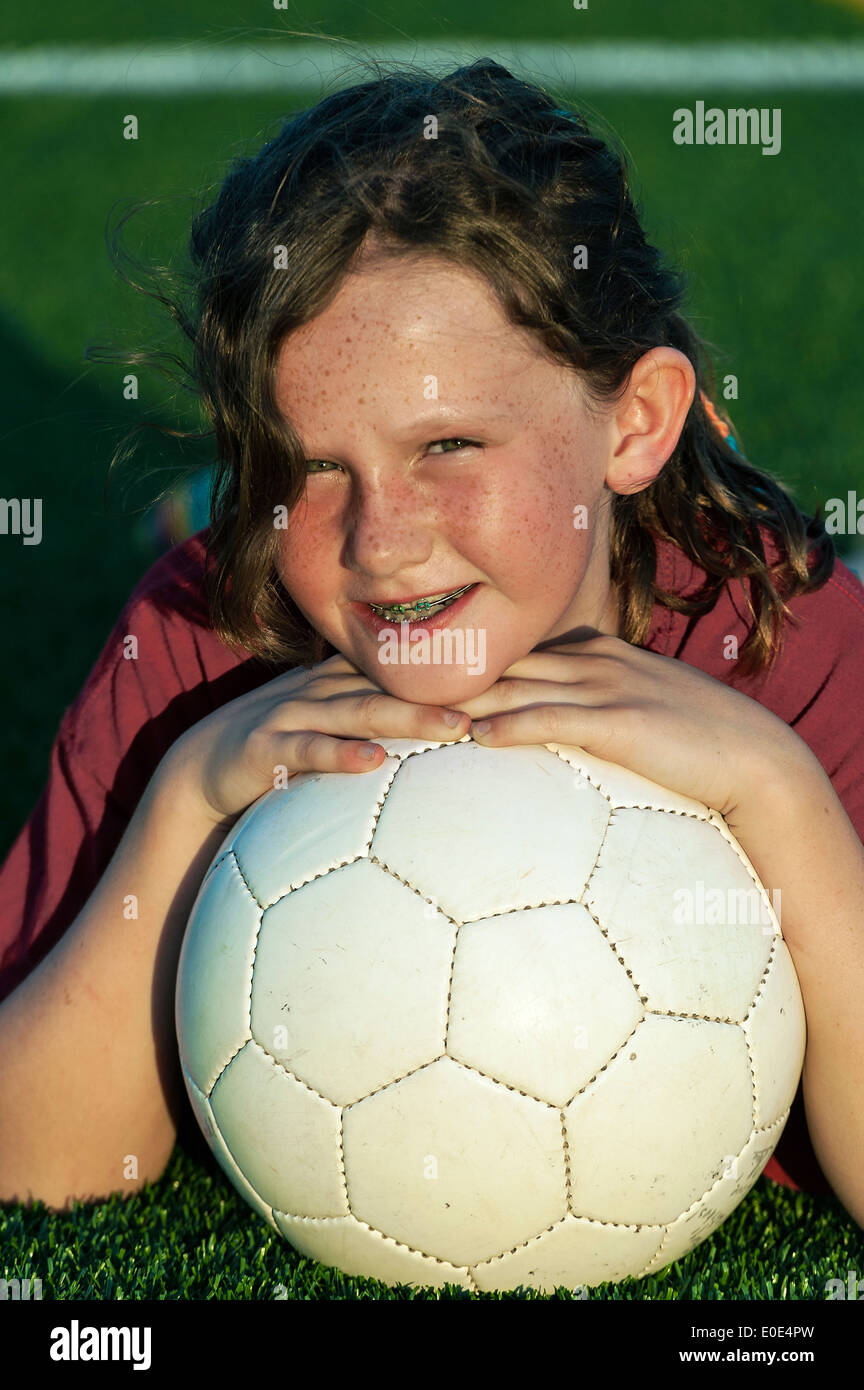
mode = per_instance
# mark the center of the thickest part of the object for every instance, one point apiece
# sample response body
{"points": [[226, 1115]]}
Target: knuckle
{"points": [[369, 706], [553, 720], [508, 688], [304, 746], [605, 648], [256, 743]]}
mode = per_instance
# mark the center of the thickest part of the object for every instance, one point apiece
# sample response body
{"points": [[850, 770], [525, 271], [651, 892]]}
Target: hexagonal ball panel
{"points": [[454, 827], [625, 788], [355, 1248], [214, 974], [300, 831], [648, 864], [700, 1221], [351, 979], [453, 1164], [664, 1114], [283, 1137]]}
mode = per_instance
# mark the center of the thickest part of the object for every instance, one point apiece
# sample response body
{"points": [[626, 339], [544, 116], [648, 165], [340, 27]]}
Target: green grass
{"points": [[190, 1236], [216, 21], [772, 246]]}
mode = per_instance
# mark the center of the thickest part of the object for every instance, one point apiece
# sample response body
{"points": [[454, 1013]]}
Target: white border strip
{"points": [[154, 67]]}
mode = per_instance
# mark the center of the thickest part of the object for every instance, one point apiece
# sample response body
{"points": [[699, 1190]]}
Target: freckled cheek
{"points": [[307, 550], [531, 517]]}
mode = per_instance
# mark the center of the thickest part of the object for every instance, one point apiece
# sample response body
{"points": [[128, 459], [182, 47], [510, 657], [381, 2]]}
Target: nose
{"points": [[391, 529]]}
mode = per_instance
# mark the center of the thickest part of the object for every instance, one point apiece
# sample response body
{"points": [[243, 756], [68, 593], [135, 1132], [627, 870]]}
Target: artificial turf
{"points": [[772, 245], [191, 1236]]}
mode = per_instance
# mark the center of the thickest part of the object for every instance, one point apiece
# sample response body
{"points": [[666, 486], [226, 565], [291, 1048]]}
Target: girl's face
{"points": [[443, 450]]}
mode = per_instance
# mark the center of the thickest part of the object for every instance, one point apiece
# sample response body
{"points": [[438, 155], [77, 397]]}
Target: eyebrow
{"points": [[464, 419], [429, 425]]}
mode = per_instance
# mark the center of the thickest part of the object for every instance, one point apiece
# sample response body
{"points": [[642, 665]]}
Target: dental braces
{"points": [[422, 605]]}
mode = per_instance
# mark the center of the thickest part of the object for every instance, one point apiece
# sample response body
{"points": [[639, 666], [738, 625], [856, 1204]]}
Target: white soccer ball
{"points": [[489, 1017]]}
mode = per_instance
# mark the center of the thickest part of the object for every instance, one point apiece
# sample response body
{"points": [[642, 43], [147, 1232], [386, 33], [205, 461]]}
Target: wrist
{"points": [[176, 784], [781, 784], [793, 829]]}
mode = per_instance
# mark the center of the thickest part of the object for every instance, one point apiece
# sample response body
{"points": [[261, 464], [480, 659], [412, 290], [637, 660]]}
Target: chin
{"points": [[439, 685]]}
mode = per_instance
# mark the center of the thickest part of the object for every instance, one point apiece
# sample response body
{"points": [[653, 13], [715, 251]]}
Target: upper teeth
{"points": [[420, 605]]}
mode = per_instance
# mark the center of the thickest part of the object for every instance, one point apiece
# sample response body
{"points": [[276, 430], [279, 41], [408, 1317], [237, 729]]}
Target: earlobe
{"points": [[632, 472]]}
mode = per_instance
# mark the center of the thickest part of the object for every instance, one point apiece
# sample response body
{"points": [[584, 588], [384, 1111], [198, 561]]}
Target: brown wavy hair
{"points": [[508, 186]]}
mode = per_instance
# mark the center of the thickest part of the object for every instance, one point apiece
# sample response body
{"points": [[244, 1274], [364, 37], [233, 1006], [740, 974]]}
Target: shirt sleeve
{"points": [[147, 685], [56, 861], [107, 747], [161, 670]]}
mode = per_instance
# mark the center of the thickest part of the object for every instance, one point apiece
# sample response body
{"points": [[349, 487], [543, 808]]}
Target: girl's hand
{"points": [[657, 716], [309, 719]]}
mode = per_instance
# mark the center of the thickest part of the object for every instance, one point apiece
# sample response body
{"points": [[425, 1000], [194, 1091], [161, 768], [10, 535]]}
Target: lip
{"points": [[412, 598], [376, 624]]}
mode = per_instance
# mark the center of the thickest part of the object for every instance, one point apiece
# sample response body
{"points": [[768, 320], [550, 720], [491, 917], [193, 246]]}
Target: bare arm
{"points": [[90, 1076], [798, 837], [90, 1072]]}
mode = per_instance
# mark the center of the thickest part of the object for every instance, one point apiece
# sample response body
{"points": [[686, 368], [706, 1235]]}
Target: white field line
{"points": [[157, 67]]}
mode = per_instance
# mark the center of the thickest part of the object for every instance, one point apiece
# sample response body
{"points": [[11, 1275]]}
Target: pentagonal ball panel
{"points": [[210, 1129], [523, 1000], [596, 1250], [777, 1031], [283, 1137]]}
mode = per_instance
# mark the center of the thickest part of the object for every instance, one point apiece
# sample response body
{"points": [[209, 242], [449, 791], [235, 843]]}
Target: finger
{"points": [[388, 716], [557, 665], [565, 724], [306, 750], [369, 714], [513, 693]]}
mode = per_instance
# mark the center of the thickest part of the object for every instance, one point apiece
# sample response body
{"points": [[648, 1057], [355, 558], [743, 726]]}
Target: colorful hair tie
{"points": [[723, 428]]}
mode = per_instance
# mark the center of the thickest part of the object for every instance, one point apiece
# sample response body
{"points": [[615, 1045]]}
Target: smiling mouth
{"points": [[421, 608]]}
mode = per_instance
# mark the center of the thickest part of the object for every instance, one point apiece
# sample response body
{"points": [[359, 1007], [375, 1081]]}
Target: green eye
{"points": [[316, 465], [458, 441]]}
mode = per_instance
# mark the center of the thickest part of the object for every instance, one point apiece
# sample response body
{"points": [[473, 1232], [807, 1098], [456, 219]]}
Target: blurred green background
{"points": [[772, 246]]}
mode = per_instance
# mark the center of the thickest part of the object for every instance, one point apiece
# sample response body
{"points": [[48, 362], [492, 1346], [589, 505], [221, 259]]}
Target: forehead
{"points": [[398, 321]]}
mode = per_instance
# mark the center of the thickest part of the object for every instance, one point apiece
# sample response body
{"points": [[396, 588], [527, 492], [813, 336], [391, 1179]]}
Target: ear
{"points": [[648, 420]]}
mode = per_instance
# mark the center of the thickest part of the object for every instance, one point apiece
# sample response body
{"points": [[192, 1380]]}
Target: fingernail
{"points": [[368, 750], [452, 717], [482, 728]]}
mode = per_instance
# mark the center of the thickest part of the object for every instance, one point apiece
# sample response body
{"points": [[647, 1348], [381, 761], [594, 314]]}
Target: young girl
{"points": [[441, 360]]}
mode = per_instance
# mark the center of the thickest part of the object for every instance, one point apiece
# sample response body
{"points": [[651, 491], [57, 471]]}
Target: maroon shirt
{"points": [[129, 713]]}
